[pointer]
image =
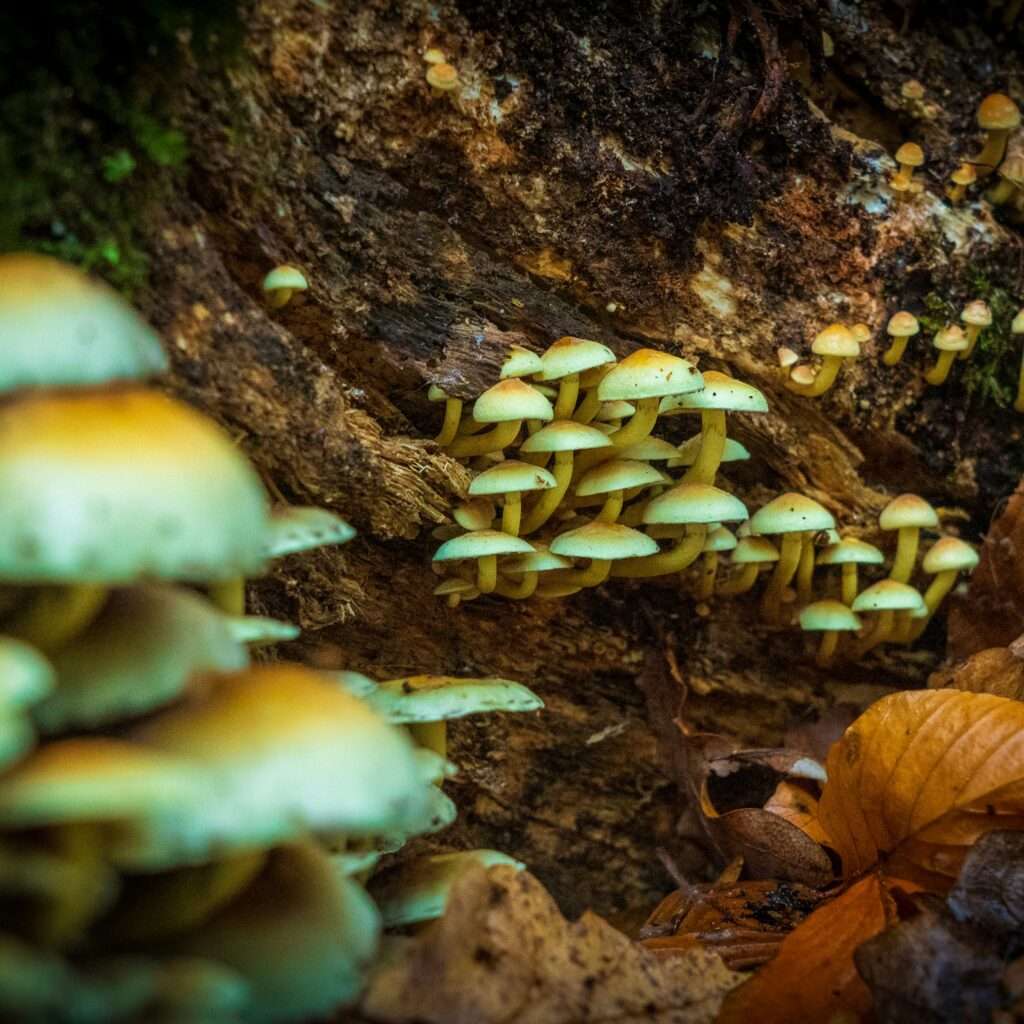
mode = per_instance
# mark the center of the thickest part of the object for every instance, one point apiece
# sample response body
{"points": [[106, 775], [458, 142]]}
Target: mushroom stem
{"points": [[906, 554], [848, 584], [991, 155], [65, 918], [785, 569], [639, 426], [1001, 193], [933, 597], [881, 632], [487, 574], [511, 514], [712, 447], [827, 648], [709, 574], [279, 297], [568, 392], [431, 735], [894, 353], [611, 509], [452, 418], [822, 382], [588, 408], [55, 615], [229, 595], [683, 555], [500, 436], [742, 582], [517, 591], [972, 331], [940, 371], [550, 499], [805, 572], [594, 575]]}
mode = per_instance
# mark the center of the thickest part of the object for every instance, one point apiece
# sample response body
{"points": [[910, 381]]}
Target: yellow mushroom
{"points": [[753, 554], [511, 479], [830, 618], [901, 328], [452, 414], [1017, 329], [977, 316], [998, 115], [908, 514], [962, 178], [948, 342], [909, 156], [835, 344], [506, 405]]}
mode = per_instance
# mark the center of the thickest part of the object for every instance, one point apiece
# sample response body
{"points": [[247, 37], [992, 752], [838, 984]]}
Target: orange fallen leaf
{"points": [[813, 977], [794, 804], [919, 777], [996, 670]]}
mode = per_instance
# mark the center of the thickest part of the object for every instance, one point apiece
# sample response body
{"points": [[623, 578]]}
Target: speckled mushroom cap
{"points": [[751, 550], [887, 595], [303, 527], [604, 541], [440, 698], [481, 544], [719, 539], [832, 616], [950, 554], [113, 486], [791, 513], [977, 314], [907, 510], [836, 340], [998, 112], [511, 476], [850, 550], [686, 454], [950, 338], [285, 276], [650, 449], [570, 355], [60, 328], [520, 362], [648, 373], [540, 560], [619, 475], [26, 677], [911, 154], [511, 399], [694, 503], [137, 655], [565, 436], [720, 392], [902, 325], [476, 514]]}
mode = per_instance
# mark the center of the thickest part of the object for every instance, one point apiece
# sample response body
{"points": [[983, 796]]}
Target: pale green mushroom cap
{"points": [[836, 340], [26, 677], [615, 410], [520, 362], [648, 373], [604, 541], [686, 454], [440, 698], [565, 436], [285, 276], [464, 588], [570, 355], [950, 554], [301, 528], [618, 475], [540, 560], [477, 514], [977, 314], [719, 539], [754, 550], [61, 328], [481, 544], [650, 449], [114, 486], [720, 392], [137, 655], [511, 476], [434, 768], [887, 595], [791, 513], [259, 630], [17, 736], [511, 399], [435, 393], [850, 550], [950, 339], [354, 683], [1017, 326], [418, 890], [694, 503], [907, 510], [831, 616]]}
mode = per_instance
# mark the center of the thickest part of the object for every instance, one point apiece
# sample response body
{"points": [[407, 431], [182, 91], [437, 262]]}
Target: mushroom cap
{"points": [[861, 333], [950, 338], [687, 452], [304, 527], [754, 550], [520, 362], [836, 340], [571, 355], [353, 683], [850, 551], [950, 554], [694, 503], [26, 677], [791, 513], [803, 374], [997, 112], [605, 541], [907, 510], [719, 539], [720, 392], [61, 328], [260, 629], [138, 654], [453, 585], [618, 475], [565, 436], [285, 276], [511, 399], [650, 449], [1017, 326], [648, 373], [442, 76], [977, 313], [509, 477], [1012, 169], [481, 544], [786, 356], [540, 560], [887, 595], [435, 393], [615, 410], [902, 325], [441, 698], [965, 174], [828, 615], [475, 514], [113, 486], [911, 154], [434, 55]]}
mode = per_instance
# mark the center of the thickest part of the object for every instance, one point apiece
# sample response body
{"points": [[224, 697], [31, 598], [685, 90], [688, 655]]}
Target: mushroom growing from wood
{"points": [[510, 480], [830, 618], [949, 342], [611, 480], [892, 603], [282, 283], [484, 546], [564, 361], [717, 540], [962, 178], [754, 555], [908, 514], [998, 115], [506, 405], [901, 328], [945, 560], [976, 316], [603, 544], [909, 156], [834, 344], [849, 553]]}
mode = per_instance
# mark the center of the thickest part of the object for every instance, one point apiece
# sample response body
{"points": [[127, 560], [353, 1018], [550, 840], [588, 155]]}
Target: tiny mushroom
{"points": [[949, 341], [719, 539], [686, 454], [602, 544], [612, 479], [564, 361], [753, 554], [998, 115], [901, 328], [484, 546], [475, 514], [442, 77], [976, 316], [520, 362], [1017, 329], [787, 360], [527, 568], [506, 405], [848, 553], [909, 156], [830, 618], [861, 333], [834, 344], [801, 378], [962, 178], [908, 514], [452, 414], [945, 560], [892, 603], [510, 480], [456, 590], [282, 283]]}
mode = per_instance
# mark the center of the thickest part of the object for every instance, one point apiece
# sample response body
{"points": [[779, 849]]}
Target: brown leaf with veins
{"points": [[919, 777], [997, 670], [813, 977], [503, 954], [796, 805]]}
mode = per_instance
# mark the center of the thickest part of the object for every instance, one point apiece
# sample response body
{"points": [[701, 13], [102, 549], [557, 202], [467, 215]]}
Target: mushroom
{"points": [[442, 77], [962, 178], [787, 360], [511, 479], [64, 329], [719, 539], [834, 344], [456, 591], [564, 361], [861, 333], [298, 528], [901, 328], [590, 381], [946, 559], [998, 115], [506, 405], [721, 394], [434, 55], [654, 449], [830, 618], [909, 156], [1017, 329], [1011, 181], [602, 544], [527, 568], [282, 283], [892, 603], [520, 362], [475, 514], [612, 479], [948, 341], [754, 554], [609, 415], [848, 553], [977, 316], [485, 546], [908, 514], [802, 378], [796, 518], [452, 414]]}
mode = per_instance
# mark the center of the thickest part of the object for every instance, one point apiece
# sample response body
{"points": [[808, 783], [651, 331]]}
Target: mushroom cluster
{"points": [[183, 834]]}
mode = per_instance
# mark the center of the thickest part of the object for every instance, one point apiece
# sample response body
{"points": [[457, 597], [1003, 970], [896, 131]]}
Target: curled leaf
{"points": [[997, 670]]}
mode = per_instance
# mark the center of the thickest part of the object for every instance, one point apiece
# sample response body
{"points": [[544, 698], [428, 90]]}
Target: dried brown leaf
{"points": [[997, 670], [799, 807]]}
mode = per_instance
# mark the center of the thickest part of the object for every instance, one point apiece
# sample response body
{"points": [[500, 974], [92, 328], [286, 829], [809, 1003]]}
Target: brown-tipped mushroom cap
{"points": [[911, 154], [754, 550], [950, 338], [836, 340], [850, 550], [786, 356], [998, 113], [828, 616], [902, 325], [861, 333], [803, 374], [965, 174], [520, 362], [571, 355], [443, 76], [720, 391], [977, 314], [603, 541], [511, 399], [648, 373], [887, 596], [694, 504], [907, 510], [950, 554], [475, 514]]}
